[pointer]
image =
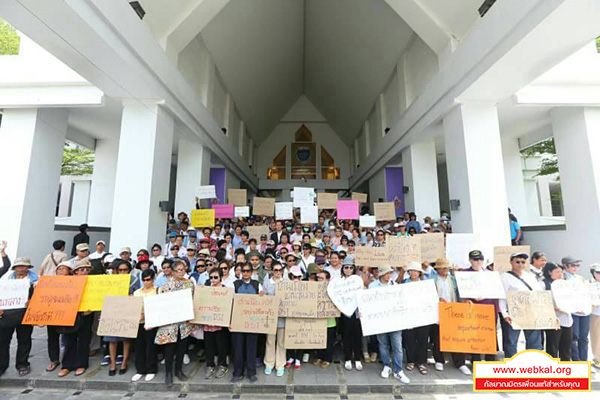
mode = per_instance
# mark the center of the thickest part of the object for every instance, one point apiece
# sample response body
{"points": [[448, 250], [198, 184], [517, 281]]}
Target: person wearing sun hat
{"points": [[390, 340], [416, 339], [11, 319], [447, 289]]}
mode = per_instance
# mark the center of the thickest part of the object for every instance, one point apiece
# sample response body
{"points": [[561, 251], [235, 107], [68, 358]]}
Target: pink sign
{"points": [[347, 209], [223, 210]]}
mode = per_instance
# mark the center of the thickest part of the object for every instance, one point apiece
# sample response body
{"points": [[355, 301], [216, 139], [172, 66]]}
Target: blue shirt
{"points": [[246, 288], [514, 228]]}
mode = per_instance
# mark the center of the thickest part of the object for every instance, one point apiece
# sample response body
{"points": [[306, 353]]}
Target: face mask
{"points": [[306, 229]]}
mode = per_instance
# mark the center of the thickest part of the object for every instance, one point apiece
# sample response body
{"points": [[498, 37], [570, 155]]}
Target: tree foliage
{"points": [[77, 161], [547, 150], [9, 40]]}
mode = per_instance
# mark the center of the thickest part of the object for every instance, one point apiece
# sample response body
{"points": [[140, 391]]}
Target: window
{"points": [[9, 40], [328, 169], [277, 171]]}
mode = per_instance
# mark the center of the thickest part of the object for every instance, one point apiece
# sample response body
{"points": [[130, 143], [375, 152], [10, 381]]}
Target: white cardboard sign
{"points": [[342, 293], [479, 285], [168, 308]]}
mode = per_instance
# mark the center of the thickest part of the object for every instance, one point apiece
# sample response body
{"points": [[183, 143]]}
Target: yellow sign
{"points": [[203, 218], [100, 286]]}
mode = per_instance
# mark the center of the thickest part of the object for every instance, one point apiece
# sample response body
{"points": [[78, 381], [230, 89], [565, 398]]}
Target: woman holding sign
{"points": [[174, 336], [216, 338], [416, 339], [146, 362], [558, 341], [53, 336], [351, 330]]}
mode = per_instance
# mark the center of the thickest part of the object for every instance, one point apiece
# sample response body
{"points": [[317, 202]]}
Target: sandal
{"points": [[80, 371], [423, 369], [24, 371], [53, 365], [63, 372], [410, 366]]}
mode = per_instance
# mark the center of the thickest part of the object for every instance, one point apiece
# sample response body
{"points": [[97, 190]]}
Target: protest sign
{"points": [[203, 218], [284, 210], [100, 286], [298, 299], [531, 309], [212, 305], [242, 212], [309, 215], [594, 289], [55, 301], [385, 211], [254, 314], [223, 210], [14, 293], [398, 307], [347, 209], [325, 307], [304, 197], [502, 256], [303, 333], [367, 221], [342, 293], [572, 296], [237, 197], [168, 308], [257, 230], [458, 246], [479, 285], [263, 206], [372, 256], [467, 328], [120, 316], [432, 246], [327, 200], [361, 197], [403, 250], [206, 192]]}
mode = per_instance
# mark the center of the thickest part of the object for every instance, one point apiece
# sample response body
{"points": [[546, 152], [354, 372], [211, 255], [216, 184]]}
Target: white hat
{"points": [[100, 241], [414, 266]]}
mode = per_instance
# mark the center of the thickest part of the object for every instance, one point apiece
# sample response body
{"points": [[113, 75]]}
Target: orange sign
{"points": [[467, 328], [55, 301]]}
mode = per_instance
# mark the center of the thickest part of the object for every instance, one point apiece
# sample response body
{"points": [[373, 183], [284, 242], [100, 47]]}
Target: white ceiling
{"points": [[454, 16]]}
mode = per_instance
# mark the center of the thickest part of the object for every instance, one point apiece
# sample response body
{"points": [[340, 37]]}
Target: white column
{"points": [[31, 149], [142, 178], [514, 180], [103, 182], [577, 139], [193, 170], [419, 168], [476, 174]]}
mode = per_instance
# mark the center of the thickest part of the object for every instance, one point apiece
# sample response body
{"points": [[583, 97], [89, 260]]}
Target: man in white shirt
{"points": [[518, 280], [100, 246]]}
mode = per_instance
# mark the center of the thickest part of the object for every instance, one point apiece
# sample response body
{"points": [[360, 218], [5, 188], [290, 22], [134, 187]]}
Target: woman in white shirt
{"points": [[558, 341]]}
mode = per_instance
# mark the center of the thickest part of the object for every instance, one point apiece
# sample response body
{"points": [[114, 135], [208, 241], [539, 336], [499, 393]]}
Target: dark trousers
{"points": [[145, 351], [415, 341], [244, 353], [53, 344], [351, 338], [261, 345], [23, 345], [216, 345], [77, 345], [175, 351], [327, 353], [558, 342], [434, 334]]}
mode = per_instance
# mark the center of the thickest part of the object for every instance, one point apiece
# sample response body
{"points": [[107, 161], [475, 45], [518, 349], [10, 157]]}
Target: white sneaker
{"points": [[348, 365], [439, 366], [305, 357], [401, 377], [186, 359], [136, 377], [386, 372], [465, 370], [359, 366], [149, 377]]}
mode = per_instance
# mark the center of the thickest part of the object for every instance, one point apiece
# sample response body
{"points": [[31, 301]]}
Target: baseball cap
{"points": [[82, 247], [570, 260], [476, 255], [518, 254]]}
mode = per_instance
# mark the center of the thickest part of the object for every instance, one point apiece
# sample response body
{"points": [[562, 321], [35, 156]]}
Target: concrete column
{"points": [[577, 139], [419, 164], [80, 202], [514, 180], [193, 170], [142, 178], [476, 174], [31, 149], [103, 182]]}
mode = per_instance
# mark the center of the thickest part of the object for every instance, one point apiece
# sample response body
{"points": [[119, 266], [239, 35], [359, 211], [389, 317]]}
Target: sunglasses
{"points": [[348, 267], [180, 270], [147, 279], [277, 270], [123, 269], [224, 268], [200, 266], [520, 262], [246, 271], [190, 250], [214, 278]]}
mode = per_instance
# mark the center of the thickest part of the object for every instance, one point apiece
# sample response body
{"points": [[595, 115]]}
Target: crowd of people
{"points": [[227, 256]]}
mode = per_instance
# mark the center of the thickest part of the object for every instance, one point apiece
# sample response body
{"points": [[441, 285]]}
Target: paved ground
{"points": [[334, 381]]}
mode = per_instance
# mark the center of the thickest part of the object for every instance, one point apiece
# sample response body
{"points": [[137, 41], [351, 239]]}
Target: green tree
{"points": [[9, 40], [547, 150], [77, 161]]}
